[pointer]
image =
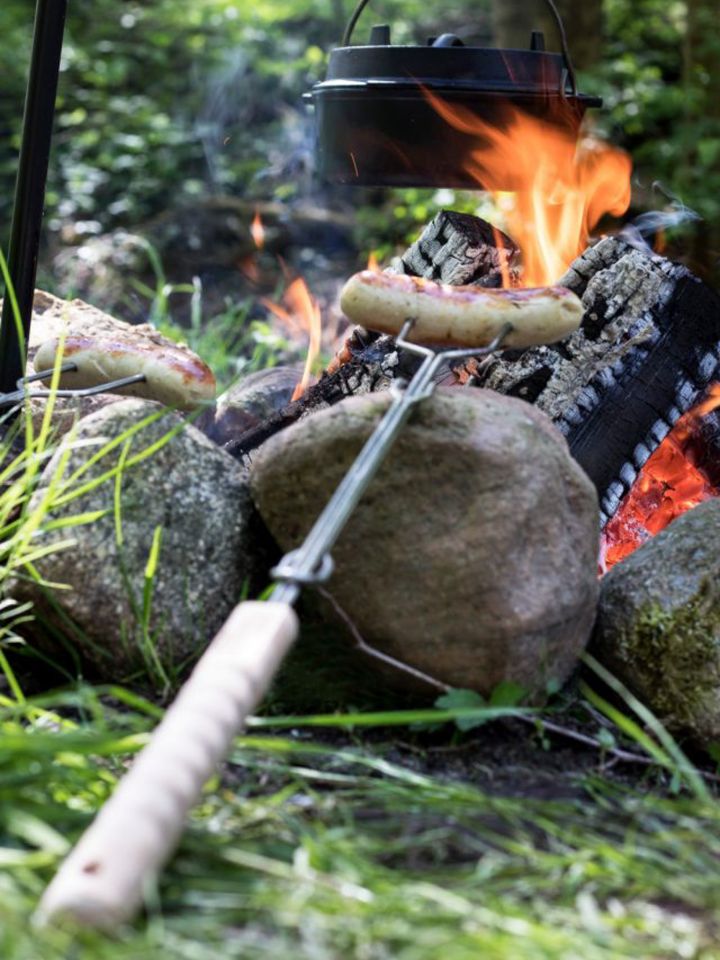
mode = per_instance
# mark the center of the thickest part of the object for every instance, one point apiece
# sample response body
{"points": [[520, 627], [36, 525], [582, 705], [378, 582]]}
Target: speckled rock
{"points": [[248, 402], [658, 624], [472, 556], [190, 489], [67, 411]]}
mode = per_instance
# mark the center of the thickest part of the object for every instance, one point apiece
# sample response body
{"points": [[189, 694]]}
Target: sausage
{"points": [[461, 316], [173, 374]]}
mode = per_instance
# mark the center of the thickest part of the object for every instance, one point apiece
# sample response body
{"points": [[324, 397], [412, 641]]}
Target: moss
{"points": [[675, 656]]}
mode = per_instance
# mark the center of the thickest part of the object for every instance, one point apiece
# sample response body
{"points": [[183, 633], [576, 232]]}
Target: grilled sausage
{"points": [[174, 375], [463, 316]]}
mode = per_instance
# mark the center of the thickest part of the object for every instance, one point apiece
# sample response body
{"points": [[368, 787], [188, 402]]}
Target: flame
{"points": [[257, 231], [668, 485], [249, 269], [372, 263], [561, 184], [503, 257], [302, 318]]}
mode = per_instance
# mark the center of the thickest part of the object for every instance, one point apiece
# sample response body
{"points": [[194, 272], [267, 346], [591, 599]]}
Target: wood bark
{"points": [[458, 249], [648, 347], [453, 245]]}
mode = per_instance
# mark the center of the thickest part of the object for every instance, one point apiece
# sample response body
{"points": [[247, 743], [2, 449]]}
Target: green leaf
{"points": [[507, 694], [463, 699]]}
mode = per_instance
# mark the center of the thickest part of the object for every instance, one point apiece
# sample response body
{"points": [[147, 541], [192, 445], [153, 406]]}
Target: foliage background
{"points": [[163, 100]]}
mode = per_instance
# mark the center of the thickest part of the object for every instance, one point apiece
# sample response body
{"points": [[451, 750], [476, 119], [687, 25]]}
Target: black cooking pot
{"points": [[375, 124]]}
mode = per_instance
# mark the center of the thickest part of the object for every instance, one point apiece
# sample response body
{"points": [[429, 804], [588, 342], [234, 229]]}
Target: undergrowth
{"points": [[390, 835], [230, 342]]}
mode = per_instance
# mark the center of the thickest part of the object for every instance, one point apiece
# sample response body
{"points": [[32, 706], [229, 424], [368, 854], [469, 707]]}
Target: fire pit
{"points": [[632, 385]]}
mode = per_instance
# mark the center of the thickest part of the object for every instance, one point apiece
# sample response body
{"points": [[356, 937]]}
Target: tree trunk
{"points": [[701, 80], [514, 19], [701, 55]]}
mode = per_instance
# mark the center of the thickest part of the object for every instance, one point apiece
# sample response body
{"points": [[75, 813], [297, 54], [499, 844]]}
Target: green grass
{"points": [[231, 343], [312, 850], [384, 835]]}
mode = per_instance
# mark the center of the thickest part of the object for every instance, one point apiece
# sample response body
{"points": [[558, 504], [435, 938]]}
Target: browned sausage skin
{"points": [[463, 316]]}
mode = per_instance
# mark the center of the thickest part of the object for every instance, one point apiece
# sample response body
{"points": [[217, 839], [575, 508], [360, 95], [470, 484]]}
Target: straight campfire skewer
{"points": [[101, 883], [15, 398], [30, 188]]}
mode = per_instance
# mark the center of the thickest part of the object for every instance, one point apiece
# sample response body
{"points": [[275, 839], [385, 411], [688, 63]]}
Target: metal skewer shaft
{"points": [[311, 563], [30, 187], [102, 882]]}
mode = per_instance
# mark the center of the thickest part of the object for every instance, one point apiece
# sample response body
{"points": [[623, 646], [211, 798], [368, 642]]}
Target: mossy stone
{"points": [[658, 626]]}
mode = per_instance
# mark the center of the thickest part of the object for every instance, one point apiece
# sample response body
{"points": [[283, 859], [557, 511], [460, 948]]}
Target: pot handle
{"points": [[357, 12]]}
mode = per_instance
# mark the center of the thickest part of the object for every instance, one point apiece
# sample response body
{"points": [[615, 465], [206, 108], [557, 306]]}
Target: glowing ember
{"points": [[669, 485], [562, 186], [257, 231], [301, 317]]}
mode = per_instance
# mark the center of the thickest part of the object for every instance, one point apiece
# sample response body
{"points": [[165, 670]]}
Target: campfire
{"points": [[633, 354], [598, 360]]}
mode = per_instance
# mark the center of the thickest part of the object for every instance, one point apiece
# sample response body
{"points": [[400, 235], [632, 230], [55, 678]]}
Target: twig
{"points": [[385, 658], [617, 754]]}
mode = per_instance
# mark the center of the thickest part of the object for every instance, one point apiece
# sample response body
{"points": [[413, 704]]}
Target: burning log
{"points": [[372, 362], [702, 447], [648, 347], [682, 472], [452, 245], [460, 249]]}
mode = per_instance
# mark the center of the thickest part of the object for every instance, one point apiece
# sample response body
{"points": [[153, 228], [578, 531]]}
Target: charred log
{"points": [[371, 363], [453, 245], [647, 349], [702, 446], [457, 248]]}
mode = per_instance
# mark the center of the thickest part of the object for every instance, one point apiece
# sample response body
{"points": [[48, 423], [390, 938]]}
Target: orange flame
{"points": [[668, 485], [561, 185], [301, 317], [372, 263], [257, 231], [249, 269], [503, 257]]}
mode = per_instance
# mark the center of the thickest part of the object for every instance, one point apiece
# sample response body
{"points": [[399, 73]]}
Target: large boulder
{"points": [[658, 624], [188, 488], [472, 556]]}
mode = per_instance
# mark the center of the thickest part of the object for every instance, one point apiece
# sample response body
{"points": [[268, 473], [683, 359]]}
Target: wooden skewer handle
{"points": [[102, 881]]}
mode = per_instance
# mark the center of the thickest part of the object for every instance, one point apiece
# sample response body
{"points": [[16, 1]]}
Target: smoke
{"points": [[224, 111], [647, 225]]}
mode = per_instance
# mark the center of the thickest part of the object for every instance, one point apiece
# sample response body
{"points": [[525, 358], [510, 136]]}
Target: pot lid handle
{"points": [[357, 12]]}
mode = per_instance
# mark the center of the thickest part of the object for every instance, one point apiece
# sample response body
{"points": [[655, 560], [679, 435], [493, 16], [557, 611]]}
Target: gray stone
{"points": [[189, 488], [472, 556], [658, 625], [67, 411], [250, 401]]}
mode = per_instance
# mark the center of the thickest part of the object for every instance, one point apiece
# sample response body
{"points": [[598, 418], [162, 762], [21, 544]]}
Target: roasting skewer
{"points": [[13, 399], [102, 881]]}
